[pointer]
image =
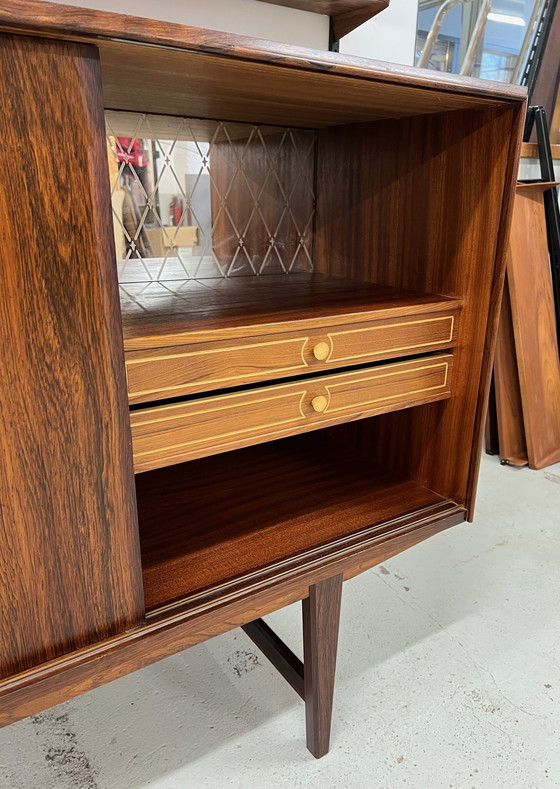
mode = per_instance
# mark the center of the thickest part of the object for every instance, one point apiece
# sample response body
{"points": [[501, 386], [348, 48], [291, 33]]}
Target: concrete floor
{"points": [[448, 678]]}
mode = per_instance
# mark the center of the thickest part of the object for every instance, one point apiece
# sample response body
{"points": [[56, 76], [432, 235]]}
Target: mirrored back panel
{"points": [[196, 199]]}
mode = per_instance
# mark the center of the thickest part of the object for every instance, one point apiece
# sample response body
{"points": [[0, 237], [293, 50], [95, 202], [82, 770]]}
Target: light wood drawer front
{"points": [[163, 435], [391, 338], [159, 373]]}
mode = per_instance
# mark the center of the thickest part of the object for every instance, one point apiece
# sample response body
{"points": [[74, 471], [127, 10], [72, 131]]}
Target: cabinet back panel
{"points": [[423, 210], [200, 199], [69, 562]]}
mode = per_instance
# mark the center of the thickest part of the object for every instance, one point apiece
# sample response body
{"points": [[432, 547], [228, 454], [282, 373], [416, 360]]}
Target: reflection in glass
{"points": [[195, 198], [491, 40]]}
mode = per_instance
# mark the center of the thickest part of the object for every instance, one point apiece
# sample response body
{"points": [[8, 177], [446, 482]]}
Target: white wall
{"points": [[390, 36], [246, 17]]}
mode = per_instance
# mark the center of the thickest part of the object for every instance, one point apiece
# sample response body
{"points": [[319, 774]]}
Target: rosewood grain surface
{"points": [[346, 15], [534, 326], [159, 373], [270, 327], [530, 150], [430, 163], [174, 630], [167, 434], [233, 514], [158, 314], [436, 237], [238, 78], [321, 618], [69, 564]]}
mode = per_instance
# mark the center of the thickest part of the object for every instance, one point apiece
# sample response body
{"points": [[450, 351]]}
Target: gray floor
{"points": [[449, 678]]}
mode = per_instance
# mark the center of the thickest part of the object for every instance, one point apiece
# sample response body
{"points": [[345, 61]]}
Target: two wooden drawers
{"points": [[321, 371]]}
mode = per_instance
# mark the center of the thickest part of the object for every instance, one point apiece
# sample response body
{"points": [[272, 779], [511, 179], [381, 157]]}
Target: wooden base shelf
{"points": [[238, 516]]}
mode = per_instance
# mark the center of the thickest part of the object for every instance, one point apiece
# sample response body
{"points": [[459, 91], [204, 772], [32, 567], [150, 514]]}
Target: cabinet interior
{"points": [[369, 209]]}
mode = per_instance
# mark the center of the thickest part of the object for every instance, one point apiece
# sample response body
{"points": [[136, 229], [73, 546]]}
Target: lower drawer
{"points": [[163, 435]]}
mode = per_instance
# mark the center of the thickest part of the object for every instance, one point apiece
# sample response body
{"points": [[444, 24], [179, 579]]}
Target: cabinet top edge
{"points": [[53, 20]]}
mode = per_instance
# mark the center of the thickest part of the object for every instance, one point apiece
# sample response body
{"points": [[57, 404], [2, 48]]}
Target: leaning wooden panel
{"points": [[69, 562], [534, 326], [509, 414]]}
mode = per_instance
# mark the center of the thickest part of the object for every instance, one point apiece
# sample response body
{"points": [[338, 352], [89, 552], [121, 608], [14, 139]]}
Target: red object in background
{"points": [[131, 151], [175, 210]]}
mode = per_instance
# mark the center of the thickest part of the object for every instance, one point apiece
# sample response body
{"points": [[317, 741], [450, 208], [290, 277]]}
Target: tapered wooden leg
{"points": [[321, 618]]}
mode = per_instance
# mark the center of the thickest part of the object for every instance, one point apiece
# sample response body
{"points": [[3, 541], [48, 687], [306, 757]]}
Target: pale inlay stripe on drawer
{"points": [[189, 368], [213, 366], [163, 435], [353, 344]]}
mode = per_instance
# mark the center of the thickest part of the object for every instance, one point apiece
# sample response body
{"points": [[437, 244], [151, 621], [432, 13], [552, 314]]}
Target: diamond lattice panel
{"points": [[195, 198]]}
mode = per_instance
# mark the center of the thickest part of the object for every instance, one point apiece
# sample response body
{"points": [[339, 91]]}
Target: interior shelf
{"points": [[210, 521], [160, 310]]}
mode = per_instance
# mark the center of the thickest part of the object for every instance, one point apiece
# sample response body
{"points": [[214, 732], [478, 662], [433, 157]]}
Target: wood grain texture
{"points": [[141, 80], [201, 524], [346, 15], [175, 630], [435, 237], [309, 323], [534, 326], [530, 150], [156, 315], [250, 80], [69, 562], [509, 412], [168, 434], [321, 619]]}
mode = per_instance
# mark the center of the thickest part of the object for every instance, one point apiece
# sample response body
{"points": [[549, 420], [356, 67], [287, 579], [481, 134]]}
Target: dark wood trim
{"points": [[173, 630], [321, 619], [345, 15], [277, 652], [317, 560]]}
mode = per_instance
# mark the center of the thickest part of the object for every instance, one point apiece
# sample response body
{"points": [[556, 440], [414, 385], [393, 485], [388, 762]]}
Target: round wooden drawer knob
{"points": [[319, 403], [321, 351]]}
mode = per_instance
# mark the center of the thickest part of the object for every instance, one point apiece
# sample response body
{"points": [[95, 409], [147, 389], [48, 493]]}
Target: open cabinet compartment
{"points": [[221, 524], [386, 192], [375, 213]]}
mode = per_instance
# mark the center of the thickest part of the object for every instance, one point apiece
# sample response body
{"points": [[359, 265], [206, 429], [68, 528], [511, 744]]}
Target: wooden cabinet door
{"points": [[69, 558]]}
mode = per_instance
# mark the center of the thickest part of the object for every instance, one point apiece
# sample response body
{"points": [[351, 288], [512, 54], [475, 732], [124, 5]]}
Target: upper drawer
{"points": [[167, 434], [166, 372]]}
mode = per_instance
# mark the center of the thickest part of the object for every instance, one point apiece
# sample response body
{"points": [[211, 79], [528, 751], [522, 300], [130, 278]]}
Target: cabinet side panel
{"points": [[419, 203], [69, 559]]}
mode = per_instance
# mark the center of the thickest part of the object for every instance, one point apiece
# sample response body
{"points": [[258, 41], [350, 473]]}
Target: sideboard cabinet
{"points": [[208, 413]]}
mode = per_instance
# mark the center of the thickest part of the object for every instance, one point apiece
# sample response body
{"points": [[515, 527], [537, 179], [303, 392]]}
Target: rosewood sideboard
{"points": [[303, 400]]}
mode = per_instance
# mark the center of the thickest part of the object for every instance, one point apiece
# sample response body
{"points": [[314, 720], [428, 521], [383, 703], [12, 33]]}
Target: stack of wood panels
{"points": [[527, 363]]}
